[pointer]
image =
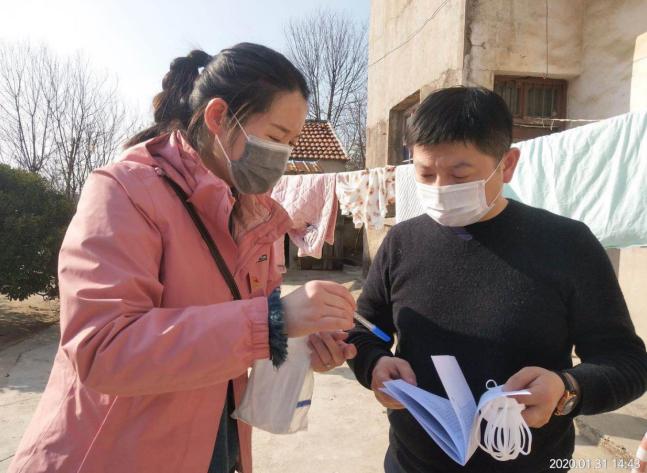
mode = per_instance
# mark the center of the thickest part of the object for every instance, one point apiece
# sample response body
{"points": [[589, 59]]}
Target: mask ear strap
{"points": [[241, 126], [223, 148], [494, 172], [496, 198]]}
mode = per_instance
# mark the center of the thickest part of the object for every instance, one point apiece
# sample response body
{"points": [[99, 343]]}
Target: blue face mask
{"points": [[261, 165]]}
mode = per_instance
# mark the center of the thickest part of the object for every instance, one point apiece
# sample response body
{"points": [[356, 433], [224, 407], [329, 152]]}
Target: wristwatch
{"points": [[571, 395]]}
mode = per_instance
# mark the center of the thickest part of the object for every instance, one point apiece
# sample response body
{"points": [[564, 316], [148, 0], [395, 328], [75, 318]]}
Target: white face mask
{"points": [[506, 433], [457, 205], [261, 165]]}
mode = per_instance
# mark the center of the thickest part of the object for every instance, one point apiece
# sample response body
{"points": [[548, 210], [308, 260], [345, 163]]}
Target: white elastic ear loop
{"points": [[241, 126], [491, 204], [223, 149], [488, 180], [506, 432]]}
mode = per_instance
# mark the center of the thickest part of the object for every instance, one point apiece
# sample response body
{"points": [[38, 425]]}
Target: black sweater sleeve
{"points": [[613, 371], [375, 305]]}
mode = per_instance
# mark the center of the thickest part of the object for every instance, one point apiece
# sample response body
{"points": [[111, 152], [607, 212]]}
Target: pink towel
{"points": [[312, 205]]}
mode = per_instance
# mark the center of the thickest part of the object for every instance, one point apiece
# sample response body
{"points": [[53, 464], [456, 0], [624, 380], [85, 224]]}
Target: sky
{"points": [[134, 41]]}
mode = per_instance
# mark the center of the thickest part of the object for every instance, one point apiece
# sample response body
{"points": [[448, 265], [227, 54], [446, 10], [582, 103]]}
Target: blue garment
{"points": [[596, 174], [226, 451], [462, 233]]}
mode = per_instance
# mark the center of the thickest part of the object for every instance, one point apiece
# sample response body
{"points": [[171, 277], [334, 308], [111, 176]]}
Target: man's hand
{"points": [[387, 368], [546, 389], [329, 350]]}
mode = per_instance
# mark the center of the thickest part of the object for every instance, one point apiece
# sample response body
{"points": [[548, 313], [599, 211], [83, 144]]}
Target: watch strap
{"points": [[568, 384]]}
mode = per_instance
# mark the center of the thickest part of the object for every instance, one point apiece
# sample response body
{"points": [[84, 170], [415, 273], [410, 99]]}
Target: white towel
{"points": [[407, 204]]}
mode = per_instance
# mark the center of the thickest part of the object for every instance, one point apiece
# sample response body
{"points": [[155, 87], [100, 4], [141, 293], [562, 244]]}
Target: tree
{"points": [[332, 52], [353, 131], [58, 117], [33, 219], [88, 123], [25, 106]]}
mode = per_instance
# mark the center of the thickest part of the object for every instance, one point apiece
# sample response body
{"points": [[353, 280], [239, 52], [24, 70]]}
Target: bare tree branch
{"points": [[332, 53], [58, 117], [25, 106]]}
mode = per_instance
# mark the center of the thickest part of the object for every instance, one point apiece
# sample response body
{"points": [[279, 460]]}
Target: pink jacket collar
{"points": [[210, 194]]}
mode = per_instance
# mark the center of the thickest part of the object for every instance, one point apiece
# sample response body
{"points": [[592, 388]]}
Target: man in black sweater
{"points": [[506, 288]]}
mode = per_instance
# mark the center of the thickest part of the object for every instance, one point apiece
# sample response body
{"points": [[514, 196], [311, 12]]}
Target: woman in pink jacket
{"points": [[168, 279]]}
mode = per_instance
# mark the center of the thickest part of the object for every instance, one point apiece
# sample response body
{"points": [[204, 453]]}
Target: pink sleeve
{"points": [[112, 328]]}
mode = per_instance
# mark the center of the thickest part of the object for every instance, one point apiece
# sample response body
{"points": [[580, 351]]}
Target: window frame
{"points": [[523, 83]]}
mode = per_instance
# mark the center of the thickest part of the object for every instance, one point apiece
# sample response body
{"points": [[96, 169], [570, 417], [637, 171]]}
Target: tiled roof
{"points": [[303, 167], [318, 141]]}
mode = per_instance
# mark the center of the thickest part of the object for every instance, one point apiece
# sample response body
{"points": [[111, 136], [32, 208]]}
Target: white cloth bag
{"points": [[278, 400]]}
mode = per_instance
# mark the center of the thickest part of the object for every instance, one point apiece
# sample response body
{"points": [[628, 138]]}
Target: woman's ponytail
{"points": [[247, 76]]}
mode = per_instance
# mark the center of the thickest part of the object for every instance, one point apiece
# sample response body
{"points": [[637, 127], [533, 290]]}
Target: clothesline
{"points": [[541, 121], [588, 120], [312, 200], [599, 184]]}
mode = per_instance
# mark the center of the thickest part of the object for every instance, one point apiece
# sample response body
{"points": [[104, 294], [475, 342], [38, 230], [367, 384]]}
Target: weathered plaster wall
{"points": [[430, 59], [509, 37], [611, 28]]}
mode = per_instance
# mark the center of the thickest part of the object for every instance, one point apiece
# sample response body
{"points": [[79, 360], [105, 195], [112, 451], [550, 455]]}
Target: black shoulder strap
{"points": [[215, 254]]}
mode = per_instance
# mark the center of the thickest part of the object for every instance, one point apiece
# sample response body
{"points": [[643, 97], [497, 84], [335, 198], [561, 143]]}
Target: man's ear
{"points": [[510, 161], [215, 115]]}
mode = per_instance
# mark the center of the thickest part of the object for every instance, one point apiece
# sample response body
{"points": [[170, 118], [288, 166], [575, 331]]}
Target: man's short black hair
{"points": [[471, 115]]}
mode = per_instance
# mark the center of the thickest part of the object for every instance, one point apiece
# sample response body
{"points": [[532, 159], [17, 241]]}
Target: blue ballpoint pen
{"points": [[374, 330]]}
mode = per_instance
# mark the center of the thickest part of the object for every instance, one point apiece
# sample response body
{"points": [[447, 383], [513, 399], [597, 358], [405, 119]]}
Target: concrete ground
{"points": [[347, 428]]}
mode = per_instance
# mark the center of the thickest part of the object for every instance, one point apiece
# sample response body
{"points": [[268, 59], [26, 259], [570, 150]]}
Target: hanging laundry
{"points": [[594, 173], [310, 201], [366, 195], [407, 204]]}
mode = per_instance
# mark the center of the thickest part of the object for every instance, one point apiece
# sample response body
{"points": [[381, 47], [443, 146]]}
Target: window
{"points": [[406, 118], [398, 119], [533, 101]]}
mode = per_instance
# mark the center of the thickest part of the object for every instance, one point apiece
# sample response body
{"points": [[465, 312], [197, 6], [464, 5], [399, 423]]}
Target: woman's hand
{"points": [[388, 368], [546, 389], [329, 350], [318, 306]]}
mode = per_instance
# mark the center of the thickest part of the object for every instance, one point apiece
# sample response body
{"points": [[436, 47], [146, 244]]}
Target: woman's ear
{"points": [[511, 159], [215, 115]]}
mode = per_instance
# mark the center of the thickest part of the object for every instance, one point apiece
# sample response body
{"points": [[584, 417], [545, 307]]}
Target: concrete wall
{"points": [[633, 261], [633, 281], [428, 56], [410, 55], [508, 37], [639, 74], [611, 28], [599, 46], [595, 44]]}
